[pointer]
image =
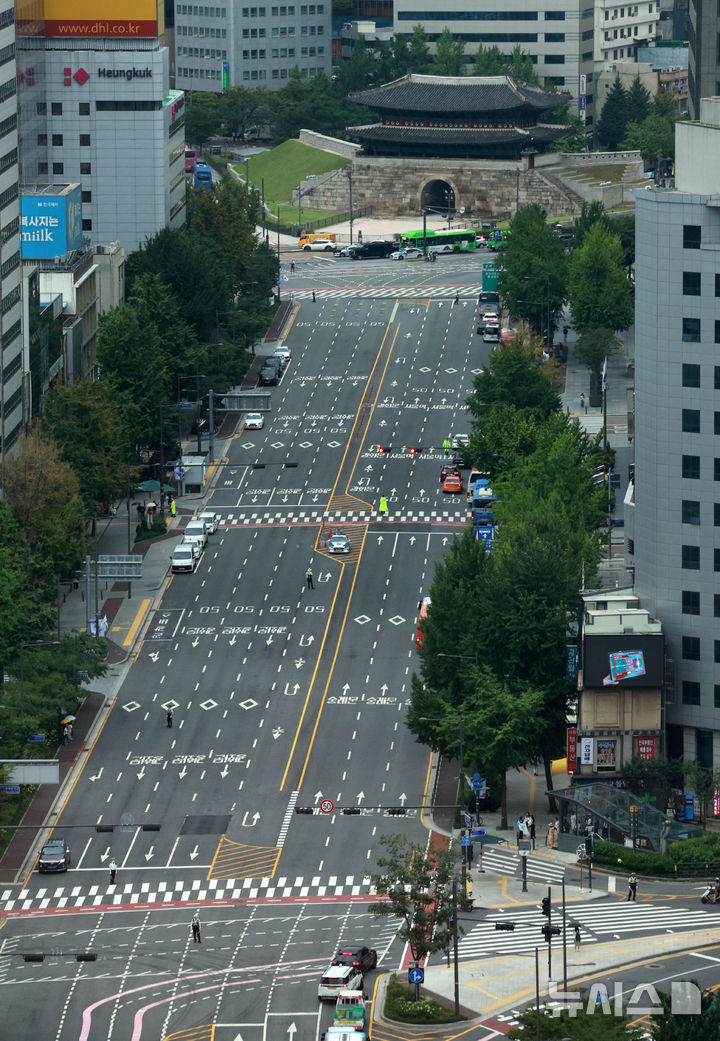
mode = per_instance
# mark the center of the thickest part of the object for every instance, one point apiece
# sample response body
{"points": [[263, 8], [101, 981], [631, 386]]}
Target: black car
{"points": [[378, 248], [270, 372], [353, 954], [54, 856], [450, 468]]}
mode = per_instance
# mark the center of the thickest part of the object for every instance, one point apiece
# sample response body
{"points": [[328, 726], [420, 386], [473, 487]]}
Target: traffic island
{"points": [[401, 1006]]}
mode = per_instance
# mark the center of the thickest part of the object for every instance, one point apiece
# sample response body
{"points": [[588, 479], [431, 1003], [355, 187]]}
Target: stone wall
{"points": [[329, 144], [394, 187]]}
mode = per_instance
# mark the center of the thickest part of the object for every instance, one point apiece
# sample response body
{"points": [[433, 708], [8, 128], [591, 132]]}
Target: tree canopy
{"points": [[535, 267], [512, 378], [611, 126], [599, 291]]}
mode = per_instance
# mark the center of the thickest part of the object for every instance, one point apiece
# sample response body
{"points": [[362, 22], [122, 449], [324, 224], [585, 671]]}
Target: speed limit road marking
{"points": [[326, 806]]}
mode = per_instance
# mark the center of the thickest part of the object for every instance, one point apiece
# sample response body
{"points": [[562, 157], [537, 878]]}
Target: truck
{"points": [[350, 1010]]}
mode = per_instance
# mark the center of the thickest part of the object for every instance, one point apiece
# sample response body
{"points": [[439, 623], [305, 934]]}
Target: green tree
{"points": [[611, 127], [654, 138], [43, 494], [512, 379], [575, 140], [490, 61], [639, 101], [100, 460], [449, 55], [594, 345], [592, 213], [583, 1024], [535, 271], [598, 289], [359, 72], [198, 275], [676, 1026], [26, 594], [624, 227], [245, 107], [521, 66], [228, 218], [419, 51], [203, 117], [417, 884], [400, 55]]}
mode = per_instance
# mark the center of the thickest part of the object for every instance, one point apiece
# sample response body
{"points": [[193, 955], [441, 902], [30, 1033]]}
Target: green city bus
{"points": [[462, 240]]}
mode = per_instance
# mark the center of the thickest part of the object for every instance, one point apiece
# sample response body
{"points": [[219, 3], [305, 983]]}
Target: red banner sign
{"points": [[572, 750], [646, 747]]}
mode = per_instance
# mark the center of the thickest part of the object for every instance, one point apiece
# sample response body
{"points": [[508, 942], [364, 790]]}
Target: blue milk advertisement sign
{"points": [[51, 224]]}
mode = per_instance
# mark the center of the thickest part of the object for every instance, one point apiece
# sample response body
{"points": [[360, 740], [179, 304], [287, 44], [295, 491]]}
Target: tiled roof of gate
{"points": [[437, 136], [457, 94]]}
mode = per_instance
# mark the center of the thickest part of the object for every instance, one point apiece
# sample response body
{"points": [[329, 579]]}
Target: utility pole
{"points": [[211, 423], [455, 947], [263, 210], [352, 221]]}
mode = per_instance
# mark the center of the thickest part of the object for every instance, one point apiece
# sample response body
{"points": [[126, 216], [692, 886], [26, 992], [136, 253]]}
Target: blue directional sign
{"points": [[477, 833], [416, 975], [476, 779], [36, 737], [10, 789], [468, 821], [464, 841]]}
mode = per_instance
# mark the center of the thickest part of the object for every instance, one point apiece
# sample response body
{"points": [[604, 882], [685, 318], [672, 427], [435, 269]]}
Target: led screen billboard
{"points": [[70, 19], [623, 661], [51, 224]]}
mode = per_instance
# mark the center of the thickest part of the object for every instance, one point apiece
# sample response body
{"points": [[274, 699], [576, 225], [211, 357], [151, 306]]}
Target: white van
{"points": [[210, 520], [337, 978], [198, 528]]}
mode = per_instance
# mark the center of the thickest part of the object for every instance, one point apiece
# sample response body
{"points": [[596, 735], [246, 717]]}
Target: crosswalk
{"points": [[73, 895], [294, 516], [381, 292], [507, 862], [598, 922]]}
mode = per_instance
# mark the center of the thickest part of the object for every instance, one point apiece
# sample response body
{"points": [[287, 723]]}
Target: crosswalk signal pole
{"points": [[524, 875], [549, 933], [564, 934]]}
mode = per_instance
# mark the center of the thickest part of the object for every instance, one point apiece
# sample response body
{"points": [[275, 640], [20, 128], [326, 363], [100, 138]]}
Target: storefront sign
{"points": [[587, 750], [646, 747], [606, 757], [572, 750]]}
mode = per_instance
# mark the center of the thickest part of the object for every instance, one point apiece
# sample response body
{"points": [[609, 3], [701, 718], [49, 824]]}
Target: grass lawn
{"points": [[596, 173], [284, 168]]}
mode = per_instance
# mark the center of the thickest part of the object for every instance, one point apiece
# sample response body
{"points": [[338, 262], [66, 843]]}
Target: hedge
{"points": [[692, 857]]}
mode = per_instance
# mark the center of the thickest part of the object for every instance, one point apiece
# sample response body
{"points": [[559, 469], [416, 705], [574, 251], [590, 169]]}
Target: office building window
{"points": [[84, 108], [691, 648], [56, 108], [690, 601], [690, 511], [691, 375], [717, 331], [691, 330], [86, 224], [704, 749], [58, 168], [691, 465], [691, 421], [691, 283], [717, 695], [41, 109], [85, 169], [691, 236], [691, 558], [716, 560], [84, 140], [42, 139], [87, 196], [717, 377], [717, 652], [690, 692], [57, 140], [717, 285]]}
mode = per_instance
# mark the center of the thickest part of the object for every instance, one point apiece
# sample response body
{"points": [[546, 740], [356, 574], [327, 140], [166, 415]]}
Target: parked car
{"points": [[194, 542], [199, 529], [319, 245], [254, 421], [348, 251], [210, 520], [268, 375], [54, 856], [184, 558], [284, 353]]}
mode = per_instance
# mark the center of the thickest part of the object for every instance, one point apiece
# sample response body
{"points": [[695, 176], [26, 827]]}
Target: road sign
{"points": [[464, 841], [187, 404], [10, 789], [416, 975], [327, 806], [468, 821], [180, 472], [36, 737], [476, 779], [477, 833]]}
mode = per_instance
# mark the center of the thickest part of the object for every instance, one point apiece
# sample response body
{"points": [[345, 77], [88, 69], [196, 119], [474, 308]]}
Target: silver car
{"points": [[338, 543]]}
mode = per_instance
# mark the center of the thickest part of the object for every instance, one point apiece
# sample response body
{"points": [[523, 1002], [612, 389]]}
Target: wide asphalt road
{"points": [[284, 697]]}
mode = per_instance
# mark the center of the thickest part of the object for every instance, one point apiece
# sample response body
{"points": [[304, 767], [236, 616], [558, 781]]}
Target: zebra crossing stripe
{"points": [[286, 820], [383, 292], [318, 517]]}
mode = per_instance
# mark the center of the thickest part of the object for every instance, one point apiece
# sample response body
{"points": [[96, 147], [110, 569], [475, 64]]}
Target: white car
{"points": [[194, 542], [210, 520], [411, 253], [459, 439], [320, 245], [284, 353], [338, 543], [337, 978], [183, 558], [254, 421]]}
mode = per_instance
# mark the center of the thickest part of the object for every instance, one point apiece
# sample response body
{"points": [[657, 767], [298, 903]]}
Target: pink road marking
{"points": [[87, 1012], [140, 1015]]}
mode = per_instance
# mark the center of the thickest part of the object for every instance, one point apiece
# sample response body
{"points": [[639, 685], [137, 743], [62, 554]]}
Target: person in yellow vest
{"points": [[446, 446], [383, 506]]}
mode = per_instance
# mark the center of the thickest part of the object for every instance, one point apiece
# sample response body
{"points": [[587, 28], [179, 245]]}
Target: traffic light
{"points": [[549, 931], [469, 853], [351, 811], [303, 809], [397, 811], [415, 449], [546, 907], [383, 449], [505, 927]]}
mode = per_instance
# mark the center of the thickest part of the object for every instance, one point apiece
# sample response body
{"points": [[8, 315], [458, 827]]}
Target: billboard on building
{"points": [[50, 221], [624, 661], [97, 19]]}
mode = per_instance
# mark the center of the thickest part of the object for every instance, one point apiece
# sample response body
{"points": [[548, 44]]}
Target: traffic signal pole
{"points": [[564, 936]]}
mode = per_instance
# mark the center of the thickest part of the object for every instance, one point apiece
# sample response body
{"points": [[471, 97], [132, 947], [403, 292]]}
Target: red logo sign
{"points": [[80, 77], [646, 747]]}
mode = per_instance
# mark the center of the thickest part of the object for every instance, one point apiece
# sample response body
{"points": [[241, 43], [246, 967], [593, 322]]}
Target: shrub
{"points": [[698, 856], [400, 1004]]}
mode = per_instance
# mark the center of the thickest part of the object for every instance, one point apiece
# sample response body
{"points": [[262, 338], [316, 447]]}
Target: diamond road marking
{"points": [[248, 703], [305, 444], [277, 444], [451, 370], [333, 444], [130, 706], [170, 704], [476, 372], [424, 369], [207, 705], [396, 620], [362, 619], [246, 445]]}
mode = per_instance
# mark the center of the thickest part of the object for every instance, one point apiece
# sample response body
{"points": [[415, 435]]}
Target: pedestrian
{"points": [[197, 938], [582, 402], [169, 718], [69, 726], [565, 332], [313, 296], [577, 937], [292, 299], [519, 826], [173, 508], [550, 838], [446, 446], [632, 887], [556, 829], [113, 872], [292, 267], [66, 734], [308, 576], [383, 506], [531, 819], [457, 299]]}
